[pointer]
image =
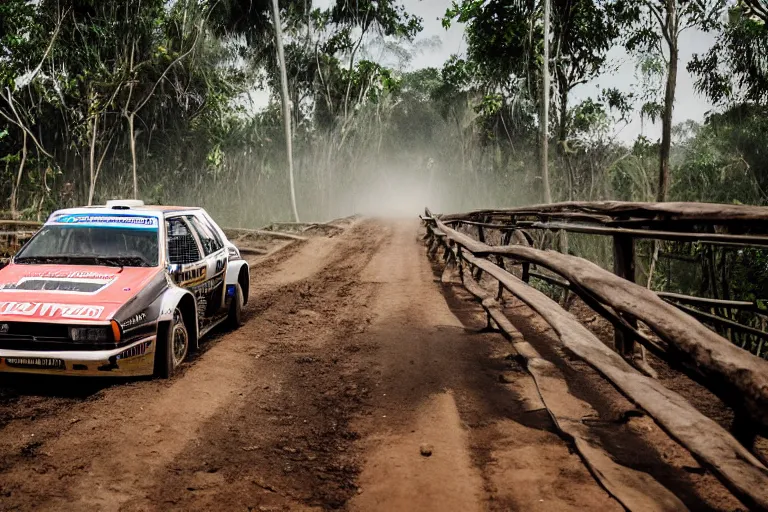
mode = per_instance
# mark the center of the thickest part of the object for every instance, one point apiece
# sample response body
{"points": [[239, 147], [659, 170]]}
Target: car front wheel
{"points": [[172, 348], [235, 316]]}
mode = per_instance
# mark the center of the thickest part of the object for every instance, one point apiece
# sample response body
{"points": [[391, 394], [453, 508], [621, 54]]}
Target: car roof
{"points": [[149, 209]]}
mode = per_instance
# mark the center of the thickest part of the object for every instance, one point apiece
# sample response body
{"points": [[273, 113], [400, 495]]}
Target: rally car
{"points": [[124, 289]]}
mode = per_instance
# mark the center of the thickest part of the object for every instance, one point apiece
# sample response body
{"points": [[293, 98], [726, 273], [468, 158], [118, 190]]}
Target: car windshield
{"points": [[88, 245]]}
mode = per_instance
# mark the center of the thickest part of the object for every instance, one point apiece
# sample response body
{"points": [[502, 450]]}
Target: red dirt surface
{"points": [[357, 382]]}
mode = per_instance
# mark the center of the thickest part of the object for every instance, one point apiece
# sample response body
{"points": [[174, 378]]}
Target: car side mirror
{"points": [[174, 270]]}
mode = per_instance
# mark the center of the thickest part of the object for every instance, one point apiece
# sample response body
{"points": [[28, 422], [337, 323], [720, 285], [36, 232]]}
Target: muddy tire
{"points": [[172, 347], [235, 315]]}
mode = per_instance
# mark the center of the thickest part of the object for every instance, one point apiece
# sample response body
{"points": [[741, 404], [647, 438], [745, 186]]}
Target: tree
{"points": [[654, 29], [544, 120], [505, 42], [18, 14], [286, 103], [735, 68]]}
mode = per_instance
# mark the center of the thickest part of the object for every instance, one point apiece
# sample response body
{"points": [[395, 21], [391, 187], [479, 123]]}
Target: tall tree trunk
{"points": [[562, 129], [19, 174], [92, 160], [286, 103], [669, 103], [563, 135], [544, 121], [132, 140]]}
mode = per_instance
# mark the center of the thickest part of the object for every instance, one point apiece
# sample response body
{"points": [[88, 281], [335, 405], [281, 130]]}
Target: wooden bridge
{"points": [[503, 251]]}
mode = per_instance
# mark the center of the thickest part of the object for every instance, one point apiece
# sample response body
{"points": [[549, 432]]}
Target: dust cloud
{"points": [[395, 194]]}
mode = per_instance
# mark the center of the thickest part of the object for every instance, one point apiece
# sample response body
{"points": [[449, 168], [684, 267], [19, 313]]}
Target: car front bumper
{"points": [[132, 360]]}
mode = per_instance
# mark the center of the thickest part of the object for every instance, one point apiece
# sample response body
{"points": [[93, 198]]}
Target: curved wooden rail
{"points": [[739, 470], [618, 211]]}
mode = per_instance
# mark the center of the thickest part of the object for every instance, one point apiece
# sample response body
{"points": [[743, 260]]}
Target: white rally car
{"points": [[123, 289]]}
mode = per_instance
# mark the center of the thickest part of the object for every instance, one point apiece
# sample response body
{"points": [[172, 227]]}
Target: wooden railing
{"points": [[673, 332], [13, 234]]}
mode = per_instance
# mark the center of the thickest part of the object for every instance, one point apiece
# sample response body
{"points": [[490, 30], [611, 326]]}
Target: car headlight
{"points": [[90, 334]]}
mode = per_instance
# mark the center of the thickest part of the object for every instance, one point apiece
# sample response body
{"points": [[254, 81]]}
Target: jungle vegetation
{"points": [[155, 99]]}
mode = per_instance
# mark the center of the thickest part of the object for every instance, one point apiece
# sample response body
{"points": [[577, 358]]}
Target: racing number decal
{"points": [[190, 276], [210, 293], [220, 265]]}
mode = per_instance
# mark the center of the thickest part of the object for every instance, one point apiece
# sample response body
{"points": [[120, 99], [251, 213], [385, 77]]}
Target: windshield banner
{"points": [[94, 220]]}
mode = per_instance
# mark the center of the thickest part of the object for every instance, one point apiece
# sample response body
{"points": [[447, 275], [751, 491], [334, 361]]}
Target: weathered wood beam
{"points": [[721, 238], [624, 267], [261, 232], [739, 470], [672, 211], [725, 363], [706, 301], [551, 280], [735, 240], [22, 223], [708, 317], [609, 314], [635, 490]]}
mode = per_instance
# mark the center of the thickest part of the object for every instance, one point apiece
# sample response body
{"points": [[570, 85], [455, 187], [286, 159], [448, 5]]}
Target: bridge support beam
{"points": [[624, 267]]}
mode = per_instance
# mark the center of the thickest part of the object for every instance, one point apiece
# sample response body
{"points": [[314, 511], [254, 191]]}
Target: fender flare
{"points": [[233, 274], [171, 298]]}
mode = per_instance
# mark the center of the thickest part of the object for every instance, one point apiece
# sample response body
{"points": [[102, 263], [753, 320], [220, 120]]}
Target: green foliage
{"points": [[735, 68], [725, 159]]}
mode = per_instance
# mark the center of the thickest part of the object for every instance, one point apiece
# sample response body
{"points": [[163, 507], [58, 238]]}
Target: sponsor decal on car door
{"points": [[210, 294]]}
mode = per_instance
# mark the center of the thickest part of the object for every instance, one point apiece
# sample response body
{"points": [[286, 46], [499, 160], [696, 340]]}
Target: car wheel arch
{"points": [[243, 279], [188, 308]]}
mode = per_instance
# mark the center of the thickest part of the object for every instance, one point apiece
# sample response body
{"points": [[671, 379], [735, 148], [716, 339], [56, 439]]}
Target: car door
{"points": [[215, 257], [187, 265]]}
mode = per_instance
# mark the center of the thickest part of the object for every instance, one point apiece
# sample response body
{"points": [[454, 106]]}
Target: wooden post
{"points": [[624, 266], [505, 239], [481, 237]]}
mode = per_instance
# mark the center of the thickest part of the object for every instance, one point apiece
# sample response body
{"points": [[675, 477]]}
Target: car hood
{"points": [[61, 293]]}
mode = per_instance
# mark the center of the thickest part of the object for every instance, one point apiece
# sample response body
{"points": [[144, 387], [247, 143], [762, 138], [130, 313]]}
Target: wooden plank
{"points": [[23, 223], [721, 238], [635, 490], [726, 365], [708, 317], [650, 234], [738, 469], [551, 280], [671, 211], [723, 362], [624, 267], [706, 301], [261, 232]]}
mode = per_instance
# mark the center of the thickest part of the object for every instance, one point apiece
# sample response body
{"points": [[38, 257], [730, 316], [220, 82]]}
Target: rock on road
{"points": [[353, 384]]}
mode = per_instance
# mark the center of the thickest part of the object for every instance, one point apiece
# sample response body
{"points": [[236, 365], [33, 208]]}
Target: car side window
{"points": [[208, 237], [182, 246], [208, 221]]}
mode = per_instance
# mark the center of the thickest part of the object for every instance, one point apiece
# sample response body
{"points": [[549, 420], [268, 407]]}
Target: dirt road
{"points": [[358, 381]]}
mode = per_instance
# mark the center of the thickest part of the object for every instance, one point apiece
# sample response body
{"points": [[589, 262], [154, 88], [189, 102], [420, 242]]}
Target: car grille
{"points": [[41, 336]]}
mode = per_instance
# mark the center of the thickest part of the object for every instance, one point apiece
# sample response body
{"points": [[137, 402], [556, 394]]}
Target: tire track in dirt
{"points": [[99, 454], [437, 384], [287, 443]]}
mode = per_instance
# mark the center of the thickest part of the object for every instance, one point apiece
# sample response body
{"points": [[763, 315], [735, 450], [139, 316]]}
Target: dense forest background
{"points": [[154, 99], [102, 99]]}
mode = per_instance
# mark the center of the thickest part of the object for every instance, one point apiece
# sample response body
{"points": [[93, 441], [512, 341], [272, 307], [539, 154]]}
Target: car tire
{"points": [[172, 347], [235, 315]]}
